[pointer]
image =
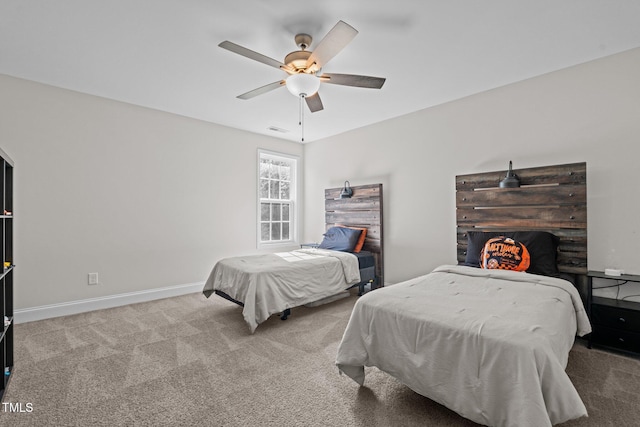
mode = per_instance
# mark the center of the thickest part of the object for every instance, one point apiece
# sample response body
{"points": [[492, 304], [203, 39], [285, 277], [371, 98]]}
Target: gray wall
{"points": [[590, 113], [149, 199], [146, 199]]}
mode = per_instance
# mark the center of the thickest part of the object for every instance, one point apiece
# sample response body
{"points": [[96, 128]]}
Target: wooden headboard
{"points": [[550, 198], [363, 209]]}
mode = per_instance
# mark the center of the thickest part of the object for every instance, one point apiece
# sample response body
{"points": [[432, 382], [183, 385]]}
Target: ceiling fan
{"points": [[305, 67]]}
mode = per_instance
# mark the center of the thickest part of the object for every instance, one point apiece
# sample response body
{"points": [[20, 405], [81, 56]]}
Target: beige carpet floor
{"points": [[190, 361]]}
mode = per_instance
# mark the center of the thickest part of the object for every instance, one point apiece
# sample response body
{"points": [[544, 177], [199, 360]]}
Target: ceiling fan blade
{"points": [[248, 53], [314, 102], [353, 80], [261, 90], [335, 40]]}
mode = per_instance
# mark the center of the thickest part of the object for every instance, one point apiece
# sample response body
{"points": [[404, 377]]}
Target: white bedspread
{"points": [[491, 345], [271, 283]]}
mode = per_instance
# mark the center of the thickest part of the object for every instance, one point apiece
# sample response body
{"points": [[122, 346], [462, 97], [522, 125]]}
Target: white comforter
{"points": [[271, 283], [491, 345]]}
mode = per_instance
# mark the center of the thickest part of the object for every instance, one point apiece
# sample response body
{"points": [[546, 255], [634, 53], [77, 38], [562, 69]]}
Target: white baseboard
{"points": [[74, 307]]}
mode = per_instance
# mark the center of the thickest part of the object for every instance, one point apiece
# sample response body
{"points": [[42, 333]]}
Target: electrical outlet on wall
{"points": [[93, 278]]}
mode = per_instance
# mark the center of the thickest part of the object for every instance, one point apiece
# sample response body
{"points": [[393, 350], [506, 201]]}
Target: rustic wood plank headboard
{"points": [[550, 198], [363, 209]]}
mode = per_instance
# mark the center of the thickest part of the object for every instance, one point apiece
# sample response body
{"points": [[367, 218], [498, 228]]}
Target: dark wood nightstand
{"points": [[615, 322]]}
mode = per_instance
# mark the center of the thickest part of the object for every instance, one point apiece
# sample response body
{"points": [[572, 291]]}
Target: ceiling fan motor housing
{"points": [[297, 59]]}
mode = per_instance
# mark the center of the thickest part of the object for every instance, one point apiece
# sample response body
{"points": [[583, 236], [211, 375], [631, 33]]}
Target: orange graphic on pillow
{"points": [[503, 253]]}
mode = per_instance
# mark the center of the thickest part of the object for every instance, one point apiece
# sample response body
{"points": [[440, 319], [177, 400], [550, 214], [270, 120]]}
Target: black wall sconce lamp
{"points": [[346, 192], [511, 180]]}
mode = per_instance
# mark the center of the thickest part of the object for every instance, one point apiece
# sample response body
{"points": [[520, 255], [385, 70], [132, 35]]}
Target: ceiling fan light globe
{"points": [[303, 84]]}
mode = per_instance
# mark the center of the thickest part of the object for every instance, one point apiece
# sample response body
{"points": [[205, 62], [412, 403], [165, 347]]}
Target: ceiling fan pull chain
{"points": [[301, 120], [300, 110]]}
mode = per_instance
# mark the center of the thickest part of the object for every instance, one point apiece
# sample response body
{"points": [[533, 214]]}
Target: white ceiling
{"points": [[163, 54]]}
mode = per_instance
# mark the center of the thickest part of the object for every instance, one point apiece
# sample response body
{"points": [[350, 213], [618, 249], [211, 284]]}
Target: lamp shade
{"points": [[511, 180], [346, 192], [303, 84]]}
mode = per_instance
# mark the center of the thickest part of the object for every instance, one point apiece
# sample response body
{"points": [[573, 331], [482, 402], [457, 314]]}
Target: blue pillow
{"points": [[340, 239]]}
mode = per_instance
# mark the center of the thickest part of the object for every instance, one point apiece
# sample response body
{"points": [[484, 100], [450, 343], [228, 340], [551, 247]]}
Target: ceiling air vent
{"points": [[277, 129]]}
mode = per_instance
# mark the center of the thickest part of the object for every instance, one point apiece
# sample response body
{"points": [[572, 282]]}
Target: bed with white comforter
{"points": [[491, 345], [271, 283]]}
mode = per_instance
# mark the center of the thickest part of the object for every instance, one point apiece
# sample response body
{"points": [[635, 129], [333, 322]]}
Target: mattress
{"points": [[491, 345], [365, 259], [271, 283]]}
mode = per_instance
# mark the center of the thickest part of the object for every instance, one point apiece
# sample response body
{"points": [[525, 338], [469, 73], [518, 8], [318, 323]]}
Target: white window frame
{"points": [[293, 198]]}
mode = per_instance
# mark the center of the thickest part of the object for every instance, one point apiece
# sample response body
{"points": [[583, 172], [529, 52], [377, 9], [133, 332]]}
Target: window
{"points": [[276, 197]]}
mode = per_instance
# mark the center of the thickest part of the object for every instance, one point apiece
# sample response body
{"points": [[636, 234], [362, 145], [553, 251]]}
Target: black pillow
{"points": [[542, 247], [340, 239], [475, 244]]}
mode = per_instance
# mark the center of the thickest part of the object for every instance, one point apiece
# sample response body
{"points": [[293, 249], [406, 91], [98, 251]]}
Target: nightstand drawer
{"points": [[615, 317], [616, 338]]}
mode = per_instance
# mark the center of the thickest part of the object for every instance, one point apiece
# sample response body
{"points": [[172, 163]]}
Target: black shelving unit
{"points": [[6, 278]]}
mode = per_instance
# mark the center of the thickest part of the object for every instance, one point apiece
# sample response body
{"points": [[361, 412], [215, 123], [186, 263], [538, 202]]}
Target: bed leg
{"points": [[285, 314]]}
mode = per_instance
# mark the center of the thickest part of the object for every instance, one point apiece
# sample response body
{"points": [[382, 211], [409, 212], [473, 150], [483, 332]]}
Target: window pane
{"points": [[275, 231], [264, 188], [285, 172], [275, 190], [264, 169], [264, 232], [285, 212], [285, 231], [284, 190], [264, 212], [275, 211], [273, 171]]}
